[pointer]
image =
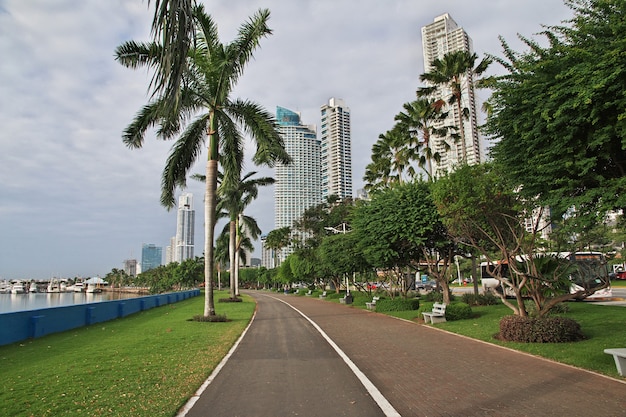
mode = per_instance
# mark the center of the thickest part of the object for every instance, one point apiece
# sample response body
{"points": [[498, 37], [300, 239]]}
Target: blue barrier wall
{"points": [[22, 325]]}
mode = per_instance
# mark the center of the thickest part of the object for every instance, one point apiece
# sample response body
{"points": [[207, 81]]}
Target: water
{"points": [[32, 301]]}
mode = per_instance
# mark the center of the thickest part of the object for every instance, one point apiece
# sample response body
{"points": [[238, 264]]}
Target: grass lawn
{"points": [[604, 327], [147, 364]]}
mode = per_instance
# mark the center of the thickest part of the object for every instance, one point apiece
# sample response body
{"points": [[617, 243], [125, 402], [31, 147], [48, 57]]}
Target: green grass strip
{"points": [[604, 326], [147, 364]]}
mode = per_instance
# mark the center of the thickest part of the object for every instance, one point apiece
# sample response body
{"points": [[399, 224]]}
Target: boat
{"points": [[5, 287], [32, 288], [17, 288], [54, 286], [93, 288], [78, 286]]}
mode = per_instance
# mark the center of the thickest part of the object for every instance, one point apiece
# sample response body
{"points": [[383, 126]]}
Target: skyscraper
{"points": [[336, 157], [150, 256], [298, 185], [184, 228], [439, 38]]}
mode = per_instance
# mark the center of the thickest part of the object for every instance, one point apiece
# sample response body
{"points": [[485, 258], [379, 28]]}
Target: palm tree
{"points": [[278, 239], [392, 156], [212, 70], [234, 198], [454, 73], [420, 119], [173, 25]]}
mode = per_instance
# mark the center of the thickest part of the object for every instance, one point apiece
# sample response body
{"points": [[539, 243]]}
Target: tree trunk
{"points": [[232, 230], [209, 232]]}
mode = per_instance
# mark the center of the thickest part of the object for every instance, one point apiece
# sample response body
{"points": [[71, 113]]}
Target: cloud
{"points": [[75, 201]]}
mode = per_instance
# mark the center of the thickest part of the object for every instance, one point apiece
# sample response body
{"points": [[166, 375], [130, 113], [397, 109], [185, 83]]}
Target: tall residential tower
{"points": [[185, 222], [336, 148], [439, 38]]}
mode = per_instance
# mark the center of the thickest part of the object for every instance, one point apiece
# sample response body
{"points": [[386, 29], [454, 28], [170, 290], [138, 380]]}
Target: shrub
{"points": [[487, 299], [540, 330], [458, 311], [454, 311], [230, 300], [397, 304], [218, 318]]}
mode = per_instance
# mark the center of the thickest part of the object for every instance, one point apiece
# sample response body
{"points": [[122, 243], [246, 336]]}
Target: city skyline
{"points": [[76, 202]]}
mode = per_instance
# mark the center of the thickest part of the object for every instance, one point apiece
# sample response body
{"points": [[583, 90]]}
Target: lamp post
{"points": [[343, 232]]}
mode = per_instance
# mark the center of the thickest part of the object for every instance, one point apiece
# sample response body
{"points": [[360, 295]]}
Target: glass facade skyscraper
{"points": [[298, 185], [151, 256]]}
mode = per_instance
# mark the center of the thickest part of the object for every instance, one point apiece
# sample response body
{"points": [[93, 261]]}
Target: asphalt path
{"points": [[308, 357], [284, 367]]}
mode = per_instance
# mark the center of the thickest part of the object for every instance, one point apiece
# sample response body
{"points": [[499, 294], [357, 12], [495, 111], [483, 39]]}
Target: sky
{"points": [[75, 201]]}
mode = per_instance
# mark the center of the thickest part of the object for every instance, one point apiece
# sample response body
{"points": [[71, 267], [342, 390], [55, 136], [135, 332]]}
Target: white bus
{"points": [[590, 272]]}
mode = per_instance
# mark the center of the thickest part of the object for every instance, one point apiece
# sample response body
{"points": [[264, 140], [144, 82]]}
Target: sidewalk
{"points": [[424, 371]]}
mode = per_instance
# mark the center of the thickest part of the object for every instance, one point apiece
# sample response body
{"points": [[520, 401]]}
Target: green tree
{"points": [[212, 72], [172, 26], [234, 198], [399, 228], [421, 119], [559, 114], [392, 157], [276, 240], [455, 73]]}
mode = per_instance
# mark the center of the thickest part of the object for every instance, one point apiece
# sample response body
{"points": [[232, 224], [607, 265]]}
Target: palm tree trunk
{"points": [[461, 128], [231, 255]]}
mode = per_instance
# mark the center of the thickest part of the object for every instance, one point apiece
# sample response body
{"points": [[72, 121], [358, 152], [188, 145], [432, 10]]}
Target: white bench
{"points": [[323, 295], [309, 293], [372, 305], [620, 359], [438, 315]]}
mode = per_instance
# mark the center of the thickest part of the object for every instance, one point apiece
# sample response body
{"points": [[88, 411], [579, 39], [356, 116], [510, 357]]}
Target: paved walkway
{"points": [[418, 369]]}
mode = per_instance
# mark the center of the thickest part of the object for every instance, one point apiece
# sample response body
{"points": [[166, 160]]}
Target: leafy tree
{"points": [[455, 73], [212, 70], [559, 114], [399, 228]]}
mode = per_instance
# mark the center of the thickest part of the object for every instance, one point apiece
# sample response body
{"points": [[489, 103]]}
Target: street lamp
{"points": [[343, 232]]}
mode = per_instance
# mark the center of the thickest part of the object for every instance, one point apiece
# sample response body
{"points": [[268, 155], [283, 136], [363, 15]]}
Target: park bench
{"points": [[309, 293], [438, 315], [620, 359], [323, 295], [372, 305]]}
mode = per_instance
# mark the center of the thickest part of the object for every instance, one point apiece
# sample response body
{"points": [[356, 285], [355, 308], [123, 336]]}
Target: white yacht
{"points": [[54, 286], [17, 288], [79, 286], [93, 288], [32, 288]]}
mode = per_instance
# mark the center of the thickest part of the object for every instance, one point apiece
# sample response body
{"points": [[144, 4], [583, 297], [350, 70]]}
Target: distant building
{"points": [[130, 267], [298, 185], [151, 256], [336, 147], [439, 38], [185, 223]]}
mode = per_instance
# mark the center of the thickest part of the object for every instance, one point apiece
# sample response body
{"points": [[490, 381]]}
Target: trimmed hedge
{"points": [[397, 304], [540, 330]]}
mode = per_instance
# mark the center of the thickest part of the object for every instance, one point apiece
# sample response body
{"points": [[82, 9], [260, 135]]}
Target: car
{"points": [[426, 285]]}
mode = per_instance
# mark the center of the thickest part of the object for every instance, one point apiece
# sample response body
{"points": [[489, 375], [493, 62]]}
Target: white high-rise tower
{"points": [[336, 149], [439, 38], [184, 228]]}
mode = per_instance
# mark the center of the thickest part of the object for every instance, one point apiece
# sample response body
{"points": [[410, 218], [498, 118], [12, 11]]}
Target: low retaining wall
{"points": [[22, 325]]}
